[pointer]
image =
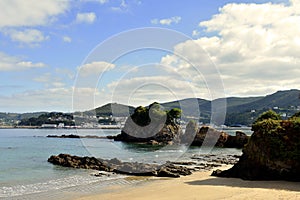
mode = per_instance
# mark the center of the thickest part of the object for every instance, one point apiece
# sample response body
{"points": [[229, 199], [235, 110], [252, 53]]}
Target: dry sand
{"points": [[201, 185]]}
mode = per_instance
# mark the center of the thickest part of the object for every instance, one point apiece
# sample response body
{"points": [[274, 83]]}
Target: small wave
{"points": [[170, 151], [57, 184]]}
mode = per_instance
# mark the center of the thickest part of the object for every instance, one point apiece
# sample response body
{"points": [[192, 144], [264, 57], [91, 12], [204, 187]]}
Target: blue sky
{"points": [[45, 48]]}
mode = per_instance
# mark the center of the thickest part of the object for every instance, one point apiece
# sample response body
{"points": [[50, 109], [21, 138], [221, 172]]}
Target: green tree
{"points": [[143, 115], [173, 115], [270, 114]]}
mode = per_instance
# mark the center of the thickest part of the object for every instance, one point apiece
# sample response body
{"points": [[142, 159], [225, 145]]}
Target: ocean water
{"points": [[25, 172]]}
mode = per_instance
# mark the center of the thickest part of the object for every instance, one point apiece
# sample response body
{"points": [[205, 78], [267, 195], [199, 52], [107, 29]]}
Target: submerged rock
{"points": [[77, 136]]}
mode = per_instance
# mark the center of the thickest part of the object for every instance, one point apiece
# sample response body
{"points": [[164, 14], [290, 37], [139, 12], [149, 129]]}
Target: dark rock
{"points": [[163, 172], [237, 141], [164, 136], [117, 166], [115, 161], [172, 134], [272, 153], [210, 136], [184, 163], [216, 172], [66, 160], [77, 136]]}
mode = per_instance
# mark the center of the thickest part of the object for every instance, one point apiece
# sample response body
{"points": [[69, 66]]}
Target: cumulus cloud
{"points": [[66, 99], [153, 82], [28, 36], [95, 68], [52, 99], [16, 13], [256, 47], [147, 89], [167, 21], [50, 80], [88, 18], [12, 63]]}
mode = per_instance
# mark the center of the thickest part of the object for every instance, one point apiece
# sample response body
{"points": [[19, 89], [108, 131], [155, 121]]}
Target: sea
{"points": [[26, 174]]}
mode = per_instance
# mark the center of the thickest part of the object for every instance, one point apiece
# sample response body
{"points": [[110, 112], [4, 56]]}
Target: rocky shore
{"points": [[273, 152], [76, 136], [169, 169]]}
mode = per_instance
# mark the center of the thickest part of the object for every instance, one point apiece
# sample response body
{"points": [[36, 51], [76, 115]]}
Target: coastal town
{"points": [[238, 115]]}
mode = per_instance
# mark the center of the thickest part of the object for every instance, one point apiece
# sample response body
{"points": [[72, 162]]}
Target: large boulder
{"points": [[207, 135], [273, 152], [237, 141], [210, 136], [167, 134]]}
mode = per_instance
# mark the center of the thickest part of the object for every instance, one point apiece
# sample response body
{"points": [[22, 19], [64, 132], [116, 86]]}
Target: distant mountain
{"points": [[114, 109], [240, 110], [191, 108], [13, 118], [281, 99], [19, 116]]}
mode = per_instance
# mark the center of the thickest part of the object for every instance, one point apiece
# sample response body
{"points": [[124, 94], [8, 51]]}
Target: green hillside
{"points": [[114, 109], [240, 110]]}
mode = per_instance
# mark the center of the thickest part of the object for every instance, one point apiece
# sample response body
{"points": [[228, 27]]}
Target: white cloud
{"points": [[50, 80], [88, 18], [16, 13], [147, 89], [30, 13], [53, 99], [11, 63], [67, 39], [167, 21], [256, 47], [28, 36], [94, 68], [195, 33], [66, 99]]}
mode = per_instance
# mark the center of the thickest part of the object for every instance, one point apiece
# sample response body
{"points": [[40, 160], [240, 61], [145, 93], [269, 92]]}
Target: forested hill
{"points": [[243, 110], [240, 110]]}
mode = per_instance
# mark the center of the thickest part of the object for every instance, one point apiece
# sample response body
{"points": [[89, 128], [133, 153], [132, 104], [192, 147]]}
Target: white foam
{"points": [[57, 184]]}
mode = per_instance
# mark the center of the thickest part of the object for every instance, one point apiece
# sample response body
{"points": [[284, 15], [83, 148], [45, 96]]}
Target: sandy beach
{"points": [[201, 185]]}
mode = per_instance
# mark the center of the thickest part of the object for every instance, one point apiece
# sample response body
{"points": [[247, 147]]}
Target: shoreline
{"points": [[199, 185], [72, 128]]}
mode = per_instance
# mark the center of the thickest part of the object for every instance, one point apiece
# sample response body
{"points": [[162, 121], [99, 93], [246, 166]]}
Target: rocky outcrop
{"points": [[114, 165], [155, 126], [273, 153], [238, 141], [173, 134], [167, 134], [212, 136]]}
